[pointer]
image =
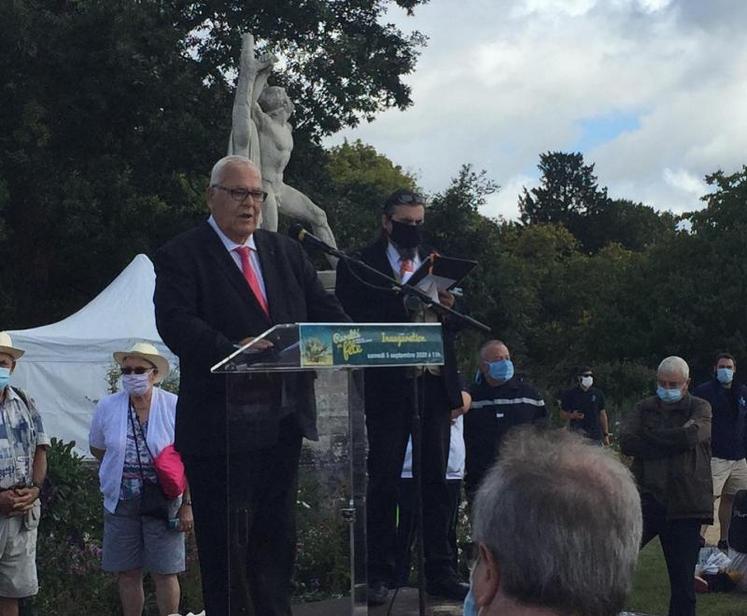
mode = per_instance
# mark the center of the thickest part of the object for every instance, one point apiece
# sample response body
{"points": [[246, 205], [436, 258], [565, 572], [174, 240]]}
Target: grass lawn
{"points": [[651, 590]]}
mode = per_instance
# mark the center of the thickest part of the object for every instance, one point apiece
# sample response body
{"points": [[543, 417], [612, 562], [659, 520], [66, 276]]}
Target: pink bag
{"points": [[170, 470]]}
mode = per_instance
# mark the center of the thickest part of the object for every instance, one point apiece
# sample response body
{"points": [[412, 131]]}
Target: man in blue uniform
{"points": [[583, 408], [500, 401], [728, 401]]}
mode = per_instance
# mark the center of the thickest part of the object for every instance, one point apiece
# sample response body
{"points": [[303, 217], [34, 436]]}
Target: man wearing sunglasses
{"points": [[583, 407], [218, 286], [398, 252]]}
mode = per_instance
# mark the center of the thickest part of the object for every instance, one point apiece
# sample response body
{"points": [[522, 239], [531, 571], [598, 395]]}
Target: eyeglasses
{"points": [[241, 194], [138, 370]]}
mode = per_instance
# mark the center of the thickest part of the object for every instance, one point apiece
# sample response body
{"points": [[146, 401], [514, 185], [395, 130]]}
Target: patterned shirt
{"points": [[132, 476], [21, 432]]}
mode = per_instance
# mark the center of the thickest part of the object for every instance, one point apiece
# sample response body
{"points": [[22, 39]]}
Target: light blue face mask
{"points": [[725, 375], [501, 370], [669, 395], [4, 377]]}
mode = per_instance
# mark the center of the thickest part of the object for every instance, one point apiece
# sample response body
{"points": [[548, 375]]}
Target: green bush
{"points": [[322, 560], [68, 552]]}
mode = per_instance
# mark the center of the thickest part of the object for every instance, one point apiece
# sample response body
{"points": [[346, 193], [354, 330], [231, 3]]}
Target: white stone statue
{"points": [[260, 131]]}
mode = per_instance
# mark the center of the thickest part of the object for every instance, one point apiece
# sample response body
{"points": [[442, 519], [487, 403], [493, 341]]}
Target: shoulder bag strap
{"points": [[131, 413]]}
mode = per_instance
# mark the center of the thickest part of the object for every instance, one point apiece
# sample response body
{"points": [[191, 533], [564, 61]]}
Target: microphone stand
{"points": [[427, 301]]}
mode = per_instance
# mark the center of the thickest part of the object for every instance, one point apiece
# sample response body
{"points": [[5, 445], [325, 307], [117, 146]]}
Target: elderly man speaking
{"points": [[669, 438]]}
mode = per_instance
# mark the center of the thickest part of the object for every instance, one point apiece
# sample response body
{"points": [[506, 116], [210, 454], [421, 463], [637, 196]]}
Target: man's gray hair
{"points": [[216, 174], [489, 344], [562, 518], [674, 365]]}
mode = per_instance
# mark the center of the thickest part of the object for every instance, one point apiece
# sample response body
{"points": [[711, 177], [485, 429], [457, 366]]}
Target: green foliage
{"points": [[322, 561], [359, 181], [568, 189], [112, 114], [570, 195], [70, 533], [343, 60], [621, 307]]}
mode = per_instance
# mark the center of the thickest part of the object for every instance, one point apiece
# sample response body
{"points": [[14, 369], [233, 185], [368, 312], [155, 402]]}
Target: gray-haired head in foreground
{"points": [[216, 174], [562, 517], [674, 365]]}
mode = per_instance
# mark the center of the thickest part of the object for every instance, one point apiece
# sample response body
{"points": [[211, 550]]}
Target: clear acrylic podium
{"points": [[331, 514]]}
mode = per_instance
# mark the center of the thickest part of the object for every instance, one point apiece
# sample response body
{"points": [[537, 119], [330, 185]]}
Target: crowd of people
{"points": [[557, 519]]}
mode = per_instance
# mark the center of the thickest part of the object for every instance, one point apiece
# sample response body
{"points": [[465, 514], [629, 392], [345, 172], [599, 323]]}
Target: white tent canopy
{"points": [[66, 365]]}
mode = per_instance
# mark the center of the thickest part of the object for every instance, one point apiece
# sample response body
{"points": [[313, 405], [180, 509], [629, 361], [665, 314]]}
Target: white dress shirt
{"points": [[395, 260], [231, 247]]}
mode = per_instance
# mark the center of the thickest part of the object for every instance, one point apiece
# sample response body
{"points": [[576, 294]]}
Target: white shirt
{"points": [[395, 261], [455, 467], [109, 432], [231, 247]]}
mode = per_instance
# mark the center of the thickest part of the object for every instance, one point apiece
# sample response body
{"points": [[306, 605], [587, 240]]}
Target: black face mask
{"points": [[406, 236]]}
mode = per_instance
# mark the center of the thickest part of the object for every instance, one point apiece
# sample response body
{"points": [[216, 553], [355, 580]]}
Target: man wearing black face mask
{"points": [[398, 252]]}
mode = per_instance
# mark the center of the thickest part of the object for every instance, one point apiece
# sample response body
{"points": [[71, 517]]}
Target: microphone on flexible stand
{"points": [[298, 233]]}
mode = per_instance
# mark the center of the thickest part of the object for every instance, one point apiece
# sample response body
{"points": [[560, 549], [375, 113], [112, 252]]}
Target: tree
{"points": [[362, 179], [111, 114], [632, 225], [343, 62], [569, 194], [568, 189]]}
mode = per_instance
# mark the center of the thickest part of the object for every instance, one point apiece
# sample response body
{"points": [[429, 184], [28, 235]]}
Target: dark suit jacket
{"points": [[367, 305], [204, 307]]}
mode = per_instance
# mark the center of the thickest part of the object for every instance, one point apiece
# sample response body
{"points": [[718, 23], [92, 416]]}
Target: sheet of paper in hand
{"points": [[440, 273]]}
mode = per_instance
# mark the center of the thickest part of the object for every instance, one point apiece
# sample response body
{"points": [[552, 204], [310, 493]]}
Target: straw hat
{"points": [[6, 346], [149, 353]]}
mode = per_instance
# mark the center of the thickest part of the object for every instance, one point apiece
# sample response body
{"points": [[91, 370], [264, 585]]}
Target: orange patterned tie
{"points": [[405, 265]]}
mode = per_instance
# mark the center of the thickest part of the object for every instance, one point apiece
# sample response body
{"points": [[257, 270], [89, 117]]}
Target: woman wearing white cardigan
{"points": [[129, 430]]}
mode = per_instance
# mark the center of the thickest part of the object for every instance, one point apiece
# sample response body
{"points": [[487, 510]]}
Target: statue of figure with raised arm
{"points": [[253, 74], [261, 132]]}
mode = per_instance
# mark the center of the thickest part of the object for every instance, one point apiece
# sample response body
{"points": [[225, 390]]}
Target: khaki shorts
{"points": [[17, 559], [729, 476]]}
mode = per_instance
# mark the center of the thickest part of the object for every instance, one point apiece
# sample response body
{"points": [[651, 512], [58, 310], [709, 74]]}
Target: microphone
{"points": [[298, 233]]}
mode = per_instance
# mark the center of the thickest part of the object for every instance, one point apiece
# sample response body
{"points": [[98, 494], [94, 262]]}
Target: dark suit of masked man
{"points": [[388, 404]]}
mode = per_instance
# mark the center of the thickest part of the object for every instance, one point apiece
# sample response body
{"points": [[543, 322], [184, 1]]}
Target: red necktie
{"points": [[251, 277]]}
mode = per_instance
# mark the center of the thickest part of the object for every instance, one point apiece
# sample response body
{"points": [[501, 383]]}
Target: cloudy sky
{"points": [[652, 91]]}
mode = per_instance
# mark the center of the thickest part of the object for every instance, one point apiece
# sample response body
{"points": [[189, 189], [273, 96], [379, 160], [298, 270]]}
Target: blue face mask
{"points": [[501, 370], [669, 395], [725, 375], [4, 377]]}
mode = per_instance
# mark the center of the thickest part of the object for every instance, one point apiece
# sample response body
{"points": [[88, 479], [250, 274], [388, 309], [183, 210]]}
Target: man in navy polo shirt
{"points": [[583, 408], [500, 401], [728, 466]]}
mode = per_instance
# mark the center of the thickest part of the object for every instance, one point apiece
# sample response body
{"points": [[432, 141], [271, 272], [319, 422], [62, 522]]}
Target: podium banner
{"points": [[374, 344]]}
